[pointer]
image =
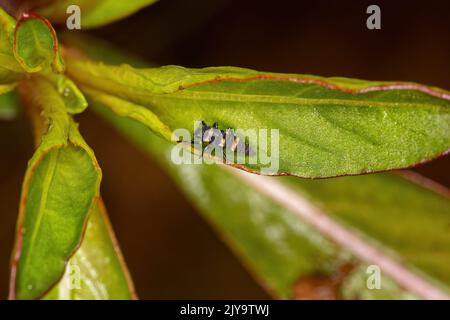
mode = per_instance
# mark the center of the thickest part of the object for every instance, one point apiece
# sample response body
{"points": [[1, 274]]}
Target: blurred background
{"points": [[171, 252]]}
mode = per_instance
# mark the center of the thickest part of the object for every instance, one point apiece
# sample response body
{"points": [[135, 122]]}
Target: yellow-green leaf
{"points": [[97, 270], [10, 69]]}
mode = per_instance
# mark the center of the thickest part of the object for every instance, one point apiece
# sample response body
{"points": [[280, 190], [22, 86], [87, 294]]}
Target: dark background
{"points": [[170, 250]]}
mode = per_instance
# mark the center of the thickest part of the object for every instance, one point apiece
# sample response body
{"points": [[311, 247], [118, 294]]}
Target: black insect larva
{"points": [[227, 139]]}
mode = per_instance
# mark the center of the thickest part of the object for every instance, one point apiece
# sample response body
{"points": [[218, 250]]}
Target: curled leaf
{"points": [[36, 45], [74, 100], [60, 185]]}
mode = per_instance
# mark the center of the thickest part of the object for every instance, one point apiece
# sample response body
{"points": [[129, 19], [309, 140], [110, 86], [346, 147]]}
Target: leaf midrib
{"points": [[37, 45], [49, 175], [235, 97]]}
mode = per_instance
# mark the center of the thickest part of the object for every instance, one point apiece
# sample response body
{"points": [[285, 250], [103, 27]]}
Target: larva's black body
{"points": [[227, 139]]}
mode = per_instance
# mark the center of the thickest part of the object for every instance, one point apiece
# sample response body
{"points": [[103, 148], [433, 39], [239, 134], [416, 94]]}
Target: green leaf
{"points": [[8, 105], [316, 238], [327, 126], [94, 13], [60, 185], [36, 45], [97, 270], [74, 100], [286, 252], [10, 69], [132, 111]]}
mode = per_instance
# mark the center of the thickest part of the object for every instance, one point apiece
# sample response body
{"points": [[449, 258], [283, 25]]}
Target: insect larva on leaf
{"points": [[225, 139]]}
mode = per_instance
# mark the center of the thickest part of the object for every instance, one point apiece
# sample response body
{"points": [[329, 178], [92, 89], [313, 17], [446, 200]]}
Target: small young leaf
{"points": [[97, 270], [74, 100], [94, 13], [327, 126], [36, 45], [59, 189]]}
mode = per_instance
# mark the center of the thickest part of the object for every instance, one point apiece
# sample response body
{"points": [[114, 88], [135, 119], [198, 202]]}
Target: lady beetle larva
{"points": [[228, 140]]}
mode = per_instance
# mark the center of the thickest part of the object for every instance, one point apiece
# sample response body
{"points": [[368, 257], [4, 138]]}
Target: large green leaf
{"points": [[94, 13], [327, 126], [97, 270], [60, 185], [36, 45], [286, 251], [297, 236]]}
